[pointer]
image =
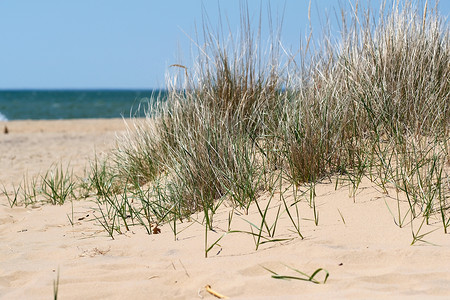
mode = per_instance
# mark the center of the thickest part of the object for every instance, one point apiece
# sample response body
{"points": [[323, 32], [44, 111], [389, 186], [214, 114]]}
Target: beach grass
{"points": [[303, 276], [373, 105], [56, 186]]}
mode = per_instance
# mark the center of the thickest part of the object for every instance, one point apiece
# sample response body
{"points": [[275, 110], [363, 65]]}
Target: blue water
{"points": [[73, 104]]}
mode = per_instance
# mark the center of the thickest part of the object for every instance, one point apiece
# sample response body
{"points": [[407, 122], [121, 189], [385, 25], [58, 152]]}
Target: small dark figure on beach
{"points": [[6, 131]]}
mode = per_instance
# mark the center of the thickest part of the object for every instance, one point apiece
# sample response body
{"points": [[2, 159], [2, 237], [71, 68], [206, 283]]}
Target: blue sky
{"points": [[123, 44]]}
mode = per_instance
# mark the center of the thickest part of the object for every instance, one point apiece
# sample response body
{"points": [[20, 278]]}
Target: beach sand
{"points": [[357, 241]]}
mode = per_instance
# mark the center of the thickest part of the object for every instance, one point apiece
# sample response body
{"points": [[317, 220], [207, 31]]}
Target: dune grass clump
{"points": [[56, 186], [374, 104], [206, 136]]}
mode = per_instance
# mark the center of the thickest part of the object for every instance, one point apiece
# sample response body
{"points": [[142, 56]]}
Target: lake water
{"points": [[74, 104]]}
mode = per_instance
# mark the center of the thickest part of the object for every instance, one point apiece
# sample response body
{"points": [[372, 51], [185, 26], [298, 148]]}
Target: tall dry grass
{"points": [[244, 110]]}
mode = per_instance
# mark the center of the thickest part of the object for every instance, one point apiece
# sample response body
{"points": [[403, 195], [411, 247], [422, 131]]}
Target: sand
{"points": [[357, 241]]}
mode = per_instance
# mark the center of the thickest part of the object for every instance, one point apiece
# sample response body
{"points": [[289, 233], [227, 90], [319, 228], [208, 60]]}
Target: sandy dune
{"points": [[31, 147], [357, 241]]}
